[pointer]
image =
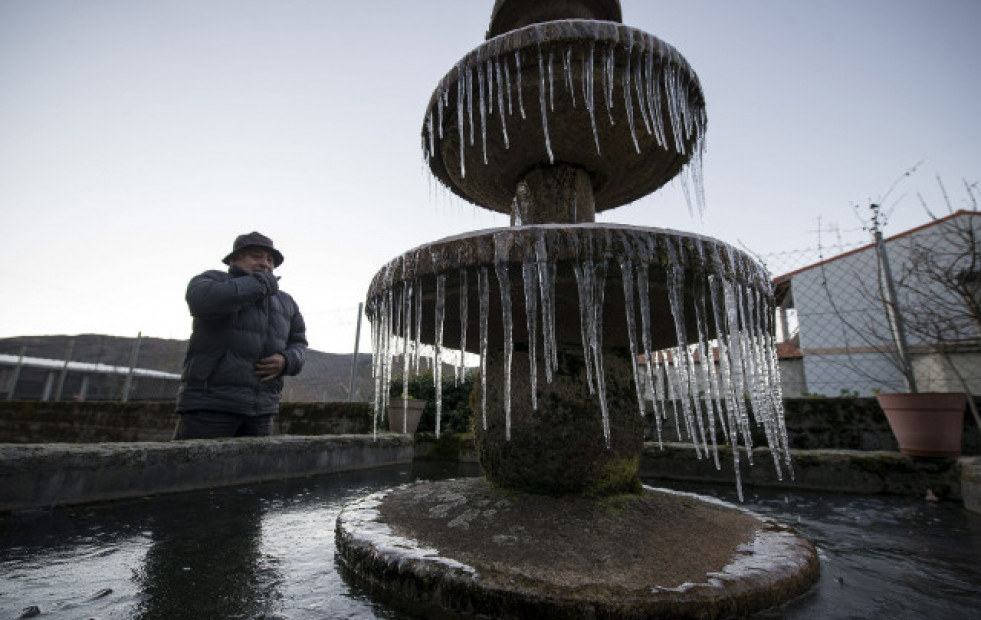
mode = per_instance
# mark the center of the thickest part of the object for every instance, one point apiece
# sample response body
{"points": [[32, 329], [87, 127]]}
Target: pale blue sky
{"points": [[137, 138]]}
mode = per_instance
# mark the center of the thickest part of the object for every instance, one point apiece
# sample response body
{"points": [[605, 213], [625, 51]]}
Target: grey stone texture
{"points": [[101, 421], [560, 447], [467, 546], [46, 475]]}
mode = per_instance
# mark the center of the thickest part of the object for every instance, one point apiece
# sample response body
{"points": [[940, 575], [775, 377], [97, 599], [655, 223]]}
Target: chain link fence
{"points": [[898, 315]]}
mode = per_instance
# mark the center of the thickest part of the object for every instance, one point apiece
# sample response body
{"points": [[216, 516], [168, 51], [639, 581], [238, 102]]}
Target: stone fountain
{"points": [[580, 330]]}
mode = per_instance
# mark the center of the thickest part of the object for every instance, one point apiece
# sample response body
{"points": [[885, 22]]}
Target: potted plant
{"points": [[404, 413], [940, 305]]}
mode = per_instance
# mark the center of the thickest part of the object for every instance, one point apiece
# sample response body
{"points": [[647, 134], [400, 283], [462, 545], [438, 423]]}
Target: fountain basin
{"points": [[564, 246], [465, 546], [621, 104]]}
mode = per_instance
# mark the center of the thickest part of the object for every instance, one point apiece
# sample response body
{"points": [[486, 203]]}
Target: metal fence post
{"points": [[64, 369], [15, 376], [354, 361], [132, 366], [894, 315]]}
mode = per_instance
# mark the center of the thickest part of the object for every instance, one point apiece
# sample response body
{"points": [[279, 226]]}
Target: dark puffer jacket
{"points": [[239, 318]]}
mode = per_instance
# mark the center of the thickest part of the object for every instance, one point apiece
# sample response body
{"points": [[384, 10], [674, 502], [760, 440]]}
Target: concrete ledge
{"points": [[44, 475], [971, 483], [848, 471]]}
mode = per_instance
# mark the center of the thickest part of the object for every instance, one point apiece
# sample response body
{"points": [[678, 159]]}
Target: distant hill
{"points": [[325, 376]]}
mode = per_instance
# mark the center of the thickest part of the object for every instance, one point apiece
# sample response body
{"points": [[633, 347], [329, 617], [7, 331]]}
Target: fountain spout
{"points": [[513, 14]]}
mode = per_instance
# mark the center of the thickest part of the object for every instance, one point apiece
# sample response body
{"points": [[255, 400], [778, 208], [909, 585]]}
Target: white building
{"points": [[835, 311]]}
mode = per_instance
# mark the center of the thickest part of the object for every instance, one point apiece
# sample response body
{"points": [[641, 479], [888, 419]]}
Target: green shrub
{"points": [[457, 415]]}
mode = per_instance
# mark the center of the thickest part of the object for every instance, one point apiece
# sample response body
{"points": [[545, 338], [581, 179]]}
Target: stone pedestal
{"points": [[561, 447], [470, 548]]}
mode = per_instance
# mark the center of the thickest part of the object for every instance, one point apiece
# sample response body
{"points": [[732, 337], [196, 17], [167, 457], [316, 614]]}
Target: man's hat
{"points": [[254, 239]]}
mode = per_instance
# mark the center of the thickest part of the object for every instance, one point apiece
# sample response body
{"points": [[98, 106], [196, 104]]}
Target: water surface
{"points": [[267, 551]]}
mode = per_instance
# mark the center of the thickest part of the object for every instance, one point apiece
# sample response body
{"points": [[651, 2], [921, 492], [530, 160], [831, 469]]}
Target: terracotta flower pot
{"points": [[404, 414], [926, 423]]}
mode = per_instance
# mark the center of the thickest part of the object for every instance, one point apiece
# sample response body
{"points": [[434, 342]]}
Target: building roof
{"points": [[905, 233], [781, 283]]}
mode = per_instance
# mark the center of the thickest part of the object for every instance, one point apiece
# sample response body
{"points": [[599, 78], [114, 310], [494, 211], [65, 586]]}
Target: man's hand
{"points": [[269, 281], [268, 368]]}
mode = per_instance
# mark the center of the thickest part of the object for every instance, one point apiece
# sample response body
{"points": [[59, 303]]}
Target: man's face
{"points": [[253, 259]]}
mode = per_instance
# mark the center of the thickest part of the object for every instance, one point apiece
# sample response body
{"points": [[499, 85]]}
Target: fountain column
{"points": [[559, 194]]}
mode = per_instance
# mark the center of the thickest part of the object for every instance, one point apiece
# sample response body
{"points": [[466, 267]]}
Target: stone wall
{"points": [[830, 424], [94, 422], [812, 423], [55, 474]]}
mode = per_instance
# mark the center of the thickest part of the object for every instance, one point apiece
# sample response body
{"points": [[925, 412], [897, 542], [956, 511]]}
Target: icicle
{"points": [[643, 293], [430, 133], [529, 275], [489, 72], [541, 98], [440, 104], [438, 347], [500, 102], [386, 394], [507, 83], [641, 89], [738, 386], [396, 330], [675, 286], [708, 366], [654, 99], [599, 290], [607, 84], [406, 335], [663, 387], [627, 274], [375, 364], [546, 285], [567, 64], [584, 285], [628, 104], [483, 292], [481, 79], [551, 83], [459, 375], [502, 242], [521, 102], [417, 345], [588, 83], [470, 103], [459, 119]]}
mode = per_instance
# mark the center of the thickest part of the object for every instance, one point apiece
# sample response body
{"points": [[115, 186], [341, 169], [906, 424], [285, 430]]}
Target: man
{"points": [[247, 335]]}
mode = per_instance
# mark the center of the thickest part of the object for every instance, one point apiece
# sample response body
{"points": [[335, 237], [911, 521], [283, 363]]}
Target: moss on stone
{"points": [[447, 447], [615, 477]]}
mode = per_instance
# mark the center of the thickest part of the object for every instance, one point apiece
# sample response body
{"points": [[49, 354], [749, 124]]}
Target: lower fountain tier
{"points": [[466, 546], [565, 247]]}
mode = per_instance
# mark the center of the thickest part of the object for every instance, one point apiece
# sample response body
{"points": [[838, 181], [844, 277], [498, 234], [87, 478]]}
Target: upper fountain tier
{"points": [[618, 107]]}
